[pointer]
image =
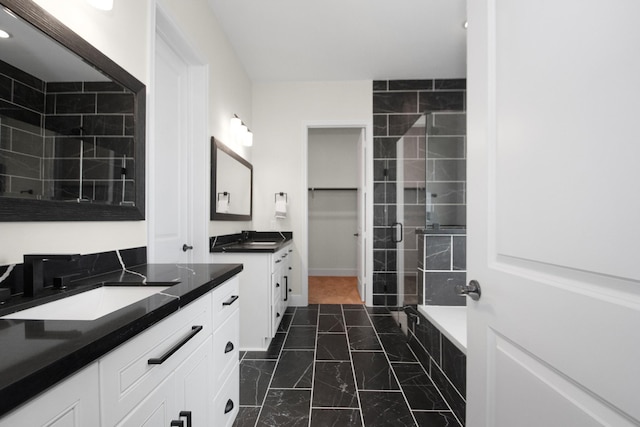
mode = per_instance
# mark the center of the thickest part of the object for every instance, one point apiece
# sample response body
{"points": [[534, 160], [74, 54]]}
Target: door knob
{"points": [[472, 290], [186, 248]]}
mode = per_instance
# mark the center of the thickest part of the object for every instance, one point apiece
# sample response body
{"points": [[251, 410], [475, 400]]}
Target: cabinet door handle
{"points": [[228, 347], [160, 360], [228, 407], [277, 285], [231, 300], [286, 287], [278, 260], [187, 415], [277, 314], [177, 423]]}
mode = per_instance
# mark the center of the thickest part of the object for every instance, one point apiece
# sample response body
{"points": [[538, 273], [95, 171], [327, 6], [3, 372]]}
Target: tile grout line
{"points": [[353, 368], [273, 374], [404, 396], [313, 370]]}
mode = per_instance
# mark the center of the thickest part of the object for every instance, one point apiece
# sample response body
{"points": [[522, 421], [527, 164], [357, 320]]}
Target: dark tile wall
{"points": [[443, 361], [442, 265], [397, 105], [51, 134]]}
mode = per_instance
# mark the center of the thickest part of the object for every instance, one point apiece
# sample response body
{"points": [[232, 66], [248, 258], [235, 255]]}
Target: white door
{"points": [[554, 209], [361, 203], [169, 213]]}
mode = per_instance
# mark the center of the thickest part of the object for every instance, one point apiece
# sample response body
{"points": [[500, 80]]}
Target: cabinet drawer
{"points": [[226, 344], [225, 301], [226, 403], [127, 377]]}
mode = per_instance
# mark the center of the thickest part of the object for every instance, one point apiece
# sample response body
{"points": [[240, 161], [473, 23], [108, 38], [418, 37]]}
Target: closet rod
{"points": [[331, 189]]}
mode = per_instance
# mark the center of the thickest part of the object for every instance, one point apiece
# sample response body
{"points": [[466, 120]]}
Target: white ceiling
{"points": [[33, 52], [300, 40]]}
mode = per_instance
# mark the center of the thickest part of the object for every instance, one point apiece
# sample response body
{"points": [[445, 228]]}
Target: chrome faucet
{"points": [[33, 269]]}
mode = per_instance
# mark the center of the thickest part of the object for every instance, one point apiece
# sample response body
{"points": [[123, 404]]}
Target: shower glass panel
{"points": [[410, 209], [430, 208]]}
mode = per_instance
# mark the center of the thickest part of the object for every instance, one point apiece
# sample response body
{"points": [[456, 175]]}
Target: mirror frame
{"points": [[215, 146], [15, 209]]}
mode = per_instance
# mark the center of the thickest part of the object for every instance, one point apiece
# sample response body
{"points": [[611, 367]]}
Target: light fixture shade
{"points": [[101, 4], [234, 126], [248, 139]]}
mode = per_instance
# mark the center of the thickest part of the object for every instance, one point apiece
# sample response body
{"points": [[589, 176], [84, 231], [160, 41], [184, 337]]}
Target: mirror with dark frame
{"points": [[231, 184], [72, 122]]}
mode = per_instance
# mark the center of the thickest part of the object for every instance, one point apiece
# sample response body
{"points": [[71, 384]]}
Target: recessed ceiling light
{"points": [[4, 34]]}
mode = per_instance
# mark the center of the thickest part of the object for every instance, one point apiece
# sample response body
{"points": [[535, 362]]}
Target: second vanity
{"points": [[170, 357], [265, 283]]}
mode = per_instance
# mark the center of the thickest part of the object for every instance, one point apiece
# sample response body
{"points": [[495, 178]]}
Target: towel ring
{"points": [[281, 194], [225, 193]]}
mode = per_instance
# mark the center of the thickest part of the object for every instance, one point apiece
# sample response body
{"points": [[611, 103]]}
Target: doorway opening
{"points": [[336, 215]]}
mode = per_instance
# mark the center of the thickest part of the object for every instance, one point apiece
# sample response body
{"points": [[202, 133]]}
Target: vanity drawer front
{"points": [[226, 403], [225, 300], [226, 344], [127, 377]]}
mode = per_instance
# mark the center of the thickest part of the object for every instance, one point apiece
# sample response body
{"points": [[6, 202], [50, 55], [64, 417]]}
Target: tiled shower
{"points": [[403, 113], [65, 140]]}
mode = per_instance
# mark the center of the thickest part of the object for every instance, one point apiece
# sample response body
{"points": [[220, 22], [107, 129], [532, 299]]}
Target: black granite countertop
{"points": [[250, 241], [36, 354]]}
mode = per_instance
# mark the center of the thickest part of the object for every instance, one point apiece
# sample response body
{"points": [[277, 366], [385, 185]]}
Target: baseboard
{"points": [[346, 272]]}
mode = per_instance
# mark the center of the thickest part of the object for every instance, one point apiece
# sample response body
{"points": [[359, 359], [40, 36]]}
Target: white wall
{"points": [[229, 85], [282, 112], [124, 34]]}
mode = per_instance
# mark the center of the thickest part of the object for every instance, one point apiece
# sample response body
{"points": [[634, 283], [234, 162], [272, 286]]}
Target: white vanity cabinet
{"points": [[186, 367], [74, 402], [265, 288]]}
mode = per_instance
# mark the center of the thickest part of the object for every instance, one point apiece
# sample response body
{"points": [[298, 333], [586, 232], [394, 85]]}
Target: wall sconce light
{"points": [[240, 133], [101, 4]]}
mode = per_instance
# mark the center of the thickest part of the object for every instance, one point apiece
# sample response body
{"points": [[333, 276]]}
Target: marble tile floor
{"points": [[338, 365]]}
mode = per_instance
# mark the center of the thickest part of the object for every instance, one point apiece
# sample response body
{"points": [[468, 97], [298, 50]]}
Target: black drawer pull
{"points": [[231, 300], [187, 415], [278, 260], [228, 407], [161, 360], [229, 347], [177, 423], [277, 315], [277, 285]]}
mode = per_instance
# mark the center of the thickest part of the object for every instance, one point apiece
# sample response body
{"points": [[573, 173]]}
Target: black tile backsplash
{"points": [[86, 266]]}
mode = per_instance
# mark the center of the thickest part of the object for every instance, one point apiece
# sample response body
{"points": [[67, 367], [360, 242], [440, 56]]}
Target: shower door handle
{"points": [[394, 238]]}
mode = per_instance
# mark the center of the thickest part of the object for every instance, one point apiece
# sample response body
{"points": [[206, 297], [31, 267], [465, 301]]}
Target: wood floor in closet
{"points": [[333, 290]]}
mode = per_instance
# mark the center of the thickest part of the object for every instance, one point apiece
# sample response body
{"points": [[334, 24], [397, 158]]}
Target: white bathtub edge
{"points": [[450, 321]]}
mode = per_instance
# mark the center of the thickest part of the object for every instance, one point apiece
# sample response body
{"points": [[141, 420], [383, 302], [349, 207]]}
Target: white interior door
{"points": [[169, 215], [553, 104], [360, 207]]}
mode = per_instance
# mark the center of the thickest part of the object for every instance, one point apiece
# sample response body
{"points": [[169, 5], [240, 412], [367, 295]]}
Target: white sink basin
{"points": [[89, 305]]}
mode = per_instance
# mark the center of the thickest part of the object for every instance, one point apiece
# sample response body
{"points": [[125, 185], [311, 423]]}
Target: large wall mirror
{"points": [[231, 184], [72, 125]]}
